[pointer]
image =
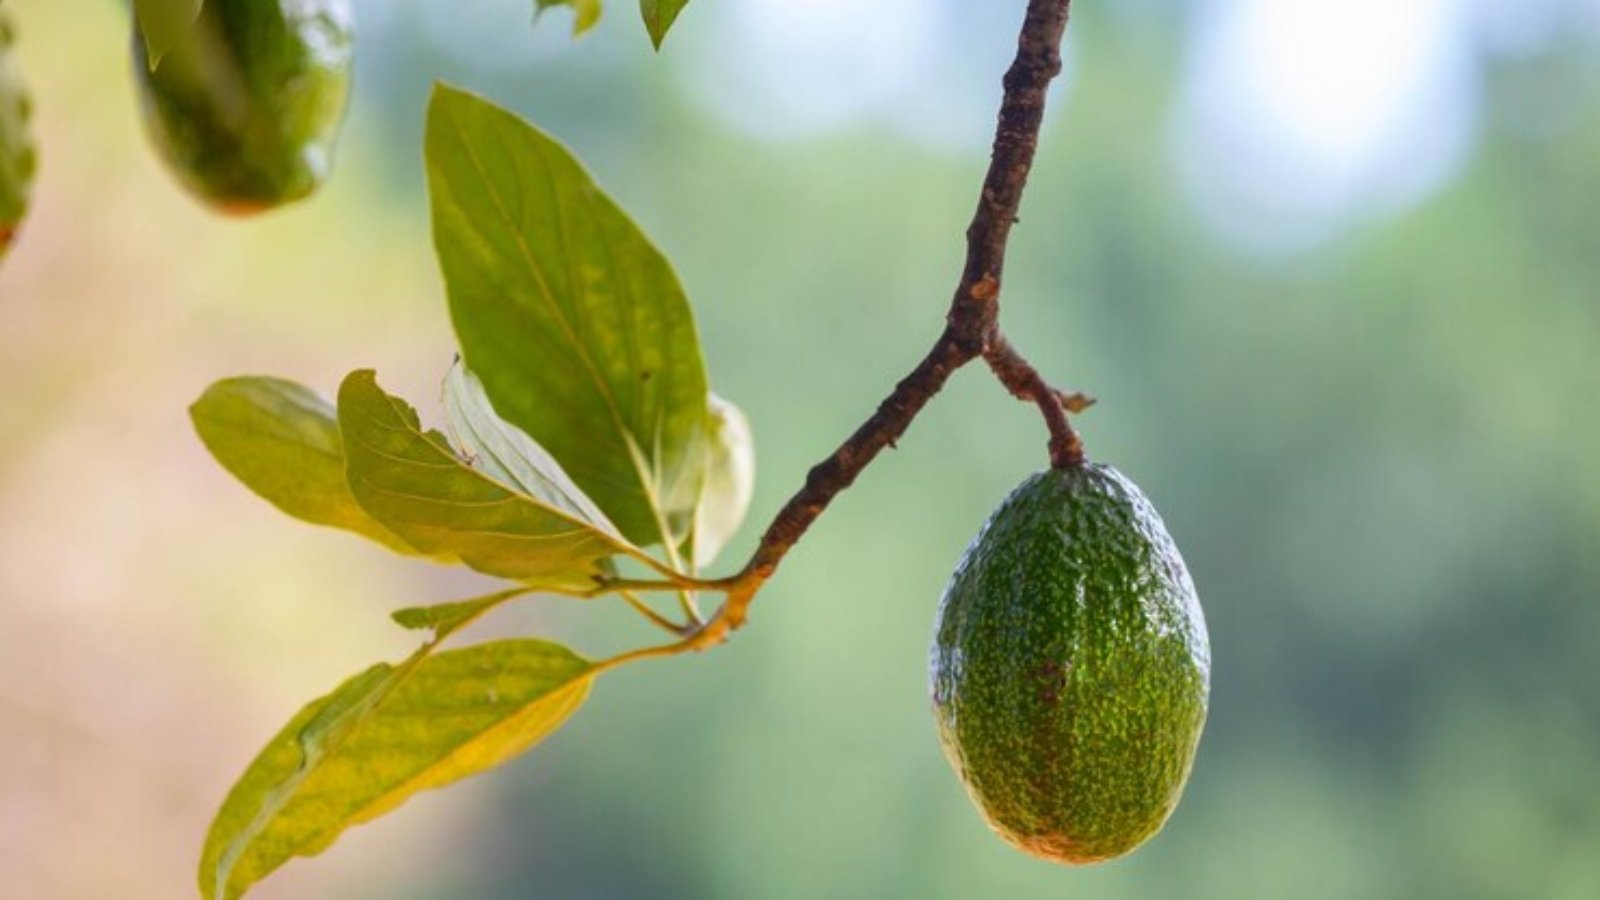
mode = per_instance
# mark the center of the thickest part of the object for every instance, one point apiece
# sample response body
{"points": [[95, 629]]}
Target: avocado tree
{"points": [[585, 454]]}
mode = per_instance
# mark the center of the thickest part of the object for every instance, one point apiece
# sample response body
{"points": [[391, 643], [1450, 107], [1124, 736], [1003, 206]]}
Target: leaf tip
{"points": [[359, 378], [659, 16], [445, 92], [205, 408], [658, 34], [437, 96], [443, 96], [412, 618], [197, 406]]}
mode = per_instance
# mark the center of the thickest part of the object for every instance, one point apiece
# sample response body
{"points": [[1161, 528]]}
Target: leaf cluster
{"points": [[580, 438]]}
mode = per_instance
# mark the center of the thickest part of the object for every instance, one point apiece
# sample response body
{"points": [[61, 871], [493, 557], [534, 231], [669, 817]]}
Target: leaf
{"points": [[445, 619], [659, 16], [585, 13], [729, 482], [381, 737], [575, 323], [282, 441], [506, 453], [412, 482], [164, 23]]}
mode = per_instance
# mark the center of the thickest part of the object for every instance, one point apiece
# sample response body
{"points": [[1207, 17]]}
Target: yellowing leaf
{"points": [[282, 441], [380, 738], [412, 482]]}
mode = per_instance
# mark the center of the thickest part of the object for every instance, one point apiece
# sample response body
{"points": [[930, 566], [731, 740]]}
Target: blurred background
{"points": [[1332, 269]]}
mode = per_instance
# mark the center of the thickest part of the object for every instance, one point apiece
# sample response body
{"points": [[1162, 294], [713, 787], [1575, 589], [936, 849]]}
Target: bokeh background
{"points": [[1333, 270]]}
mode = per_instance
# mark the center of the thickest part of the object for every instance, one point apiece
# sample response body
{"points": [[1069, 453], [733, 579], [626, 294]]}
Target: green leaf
{"points": [[445, 619], [729, 482], [659, 16], [381, 737], [412, 482], [163, 24], [575, 323], [282, 441], [585, 13], [506, 453]]}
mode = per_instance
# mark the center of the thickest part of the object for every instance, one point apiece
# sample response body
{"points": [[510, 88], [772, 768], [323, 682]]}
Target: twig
{"points": [[972, 327], [655, 618], [1025, 383]]}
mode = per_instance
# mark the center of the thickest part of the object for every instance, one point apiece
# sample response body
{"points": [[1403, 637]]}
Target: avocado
{"points": [[17, 159], [246, 105], [1070, 667]]}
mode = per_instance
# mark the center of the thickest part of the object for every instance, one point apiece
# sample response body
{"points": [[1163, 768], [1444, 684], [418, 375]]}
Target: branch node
{"points": [[1075, 401], [971, 329]]}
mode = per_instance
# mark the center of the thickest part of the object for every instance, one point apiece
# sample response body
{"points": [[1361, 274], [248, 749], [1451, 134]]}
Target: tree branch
{"points": [[972, 327]]}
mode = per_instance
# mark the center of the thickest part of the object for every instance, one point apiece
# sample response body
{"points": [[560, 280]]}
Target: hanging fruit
{"points": [[245, 103]]}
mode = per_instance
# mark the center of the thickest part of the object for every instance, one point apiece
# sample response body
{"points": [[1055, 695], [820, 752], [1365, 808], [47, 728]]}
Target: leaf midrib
{"points": [[527, 260]]}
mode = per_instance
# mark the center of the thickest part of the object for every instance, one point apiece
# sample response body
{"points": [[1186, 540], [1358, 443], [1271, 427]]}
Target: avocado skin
{"points": [[1070, 667], [17, 157], [246, 107]]}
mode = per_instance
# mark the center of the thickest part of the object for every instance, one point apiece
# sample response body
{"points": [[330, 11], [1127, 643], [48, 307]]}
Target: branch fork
{"points": [[972, 330]]}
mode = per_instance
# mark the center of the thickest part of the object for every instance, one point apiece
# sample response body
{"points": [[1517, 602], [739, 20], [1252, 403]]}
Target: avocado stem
{"points": [[1025, 383]]}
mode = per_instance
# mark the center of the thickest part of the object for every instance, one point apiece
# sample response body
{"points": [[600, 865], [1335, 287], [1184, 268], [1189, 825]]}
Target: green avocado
{"points": [[1070, 667], [246, 106], [17, 159]]}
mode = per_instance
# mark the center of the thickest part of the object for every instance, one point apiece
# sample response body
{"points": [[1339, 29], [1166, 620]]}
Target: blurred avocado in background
{"points": [[18, 159], [245, 106]]}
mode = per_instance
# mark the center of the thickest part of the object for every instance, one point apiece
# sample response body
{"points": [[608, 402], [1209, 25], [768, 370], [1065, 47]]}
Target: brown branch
{"points": [[972, 326], [1025, 383]]}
